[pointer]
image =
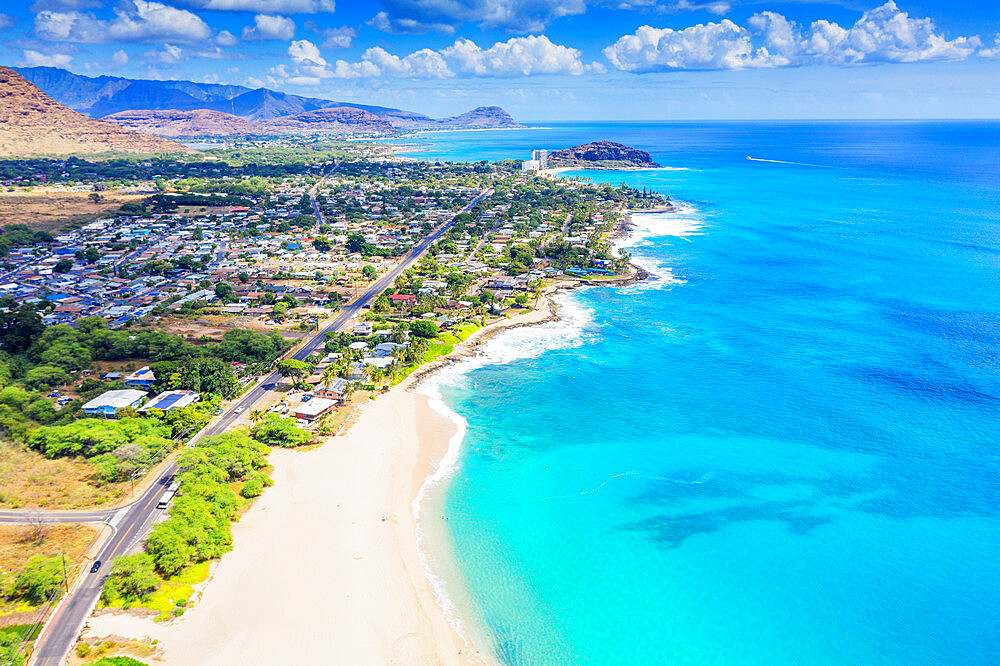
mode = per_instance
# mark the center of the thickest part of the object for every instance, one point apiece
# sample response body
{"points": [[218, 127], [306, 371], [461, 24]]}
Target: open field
{"points": [[52, 211], [19, 543], [29, 479]]}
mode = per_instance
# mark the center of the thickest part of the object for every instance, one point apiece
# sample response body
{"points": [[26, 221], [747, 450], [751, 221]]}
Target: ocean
{"points": [[781, 448]]}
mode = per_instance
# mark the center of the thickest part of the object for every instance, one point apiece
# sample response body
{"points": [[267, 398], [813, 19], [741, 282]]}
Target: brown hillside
{"points": [[335, 119], [173, 123], [32, 123]]}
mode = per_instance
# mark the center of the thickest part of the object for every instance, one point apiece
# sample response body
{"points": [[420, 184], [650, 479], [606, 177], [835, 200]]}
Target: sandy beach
{"points": [[325, 566]]}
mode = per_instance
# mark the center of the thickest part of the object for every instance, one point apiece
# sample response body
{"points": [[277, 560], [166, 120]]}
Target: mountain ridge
{"points": [[32, 123], [102, 96]]}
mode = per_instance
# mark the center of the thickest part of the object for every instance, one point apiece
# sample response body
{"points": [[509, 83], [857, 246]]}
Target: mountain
{"points": [[32, 123], [173, 123], [483, 117], [602, 154], [106, 95], [337, 119]]}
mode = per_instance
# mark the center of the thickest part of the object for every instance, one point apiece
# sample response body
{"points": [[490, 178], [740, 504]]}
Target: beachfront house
{"points": [[108, 403], [335, 390], [315, 408]]}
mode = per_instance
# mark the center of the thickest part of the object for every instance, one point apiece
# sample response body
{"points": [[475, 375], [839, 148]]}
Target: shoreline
{"points": [[355, 512], [346, 512]]}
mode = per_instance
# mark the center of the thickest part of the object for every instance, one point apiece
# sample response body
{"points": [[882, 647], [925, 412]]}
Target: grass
{"points": [[172, 598], [18, 543], [28, 480], [52, 211], [21, 632]]}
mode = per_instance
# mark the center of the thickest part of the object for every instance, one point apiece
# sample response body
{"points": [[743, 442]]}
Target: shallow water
{"points": [[783, 448]]}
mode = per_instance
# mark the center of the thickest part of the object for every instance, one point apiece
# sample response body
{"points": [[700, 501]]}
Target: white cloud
{"points": [[518, 56], [6, 21], [722, 45], [266, 6], [270, 27], [170, 54], [118, 60], [226, 38], [335, 38], [34, 58], [444, 15], [134, 21], [884, 34], [993, 51]]}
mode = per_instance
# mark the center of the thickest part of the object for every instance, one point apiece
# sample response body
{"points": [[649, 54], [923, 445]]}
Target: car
{"points": [[95, 566], [53, 394], [218, 411], [239, 410]]}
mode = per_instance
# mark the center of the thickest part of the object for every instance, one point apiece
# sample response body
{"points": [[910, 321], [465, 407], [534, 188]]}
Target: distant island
{"points": [[601, 155]]}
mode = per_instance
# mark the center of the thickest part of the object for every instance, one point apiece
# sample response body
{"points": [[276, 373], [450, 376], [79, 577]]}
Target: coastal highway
{"points": [[60, 634]]}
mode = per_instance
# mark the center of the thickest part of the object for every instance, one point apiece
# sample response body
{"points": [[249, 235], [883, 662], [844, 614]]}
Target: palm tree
{"points": [[377, 375], [329, 374], [256, 415]]}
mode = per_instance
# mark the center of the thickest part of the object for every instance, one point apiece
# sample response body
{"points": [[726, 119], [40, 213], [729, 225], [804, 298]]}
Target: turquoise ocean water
{"points": [[783, 448]]}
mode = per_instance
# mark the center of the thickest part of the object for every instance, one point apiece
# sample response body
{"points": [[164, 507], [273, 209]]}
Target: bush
{"points": [[132, 578], [274, 430], [40, 579], [424, 329], [252, 488]]}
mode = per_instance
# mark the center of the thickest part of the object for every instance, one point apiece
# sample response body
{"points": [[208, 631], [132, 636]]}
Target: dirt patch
{"points": [[29, 479], [19, 543], [53, 211]]}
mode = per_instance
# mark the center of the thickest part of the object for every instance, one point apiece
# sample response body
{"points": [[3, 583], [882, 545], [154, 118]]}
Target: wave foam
{"points": [[570, 330], [684, 221]]}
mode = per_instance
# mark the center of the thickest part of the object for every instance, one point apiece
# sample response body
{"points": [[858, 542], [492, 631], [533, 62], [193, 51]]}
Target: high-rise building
{"points": [[542, 157]]}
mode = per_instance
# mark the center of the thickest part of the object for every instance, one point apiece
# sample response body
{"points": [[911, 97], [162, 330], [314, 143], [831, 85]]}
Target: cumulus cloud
{"points": [[722, 45], [134, 21], [267, 27], [884, 34], [226, 38], [518, 56], [443, 15], [118, 60], [335, 38], [34, 58], [993, 51], [266, 6]]}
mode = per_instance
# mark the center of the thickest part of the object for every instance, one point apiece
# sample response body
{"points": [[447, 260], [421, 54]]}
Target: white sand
{"points": [[316, 575]]}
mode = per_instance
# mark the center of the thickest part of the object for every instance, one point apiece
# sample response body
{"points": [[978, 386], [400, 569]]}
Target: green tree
{"points": [[64, 265], [40, 579], [322, 244], [274, 430], [369, 273], [424, 329], [132, 578], [293, 368], [45, 376], [19, 328], [224, 291]]}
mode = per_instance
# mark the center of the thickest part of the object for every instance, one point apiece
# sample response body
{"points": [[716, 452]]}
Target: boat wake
{"points": [[816, 166]]}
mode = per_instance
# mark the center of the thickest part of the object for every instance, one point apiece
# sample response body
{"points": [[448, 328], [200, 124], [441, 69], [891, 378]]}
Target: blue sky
{"points": [[546, 59]]}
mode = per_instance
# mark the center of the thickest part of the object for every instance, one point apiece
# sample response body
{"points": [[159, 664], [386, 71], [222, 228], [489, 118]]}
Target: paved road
{"points": [[61, 632], [30, 516]]}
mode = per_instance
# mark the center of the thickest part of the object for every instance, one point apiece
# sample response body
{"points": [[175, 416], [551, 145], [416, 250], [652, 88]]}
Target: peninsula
{"points": [[601, 155]]}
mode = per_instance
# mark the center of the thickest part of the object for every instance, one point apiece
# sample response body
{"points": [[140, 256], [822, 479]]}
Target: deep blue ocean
{"points": [[784, 448]]}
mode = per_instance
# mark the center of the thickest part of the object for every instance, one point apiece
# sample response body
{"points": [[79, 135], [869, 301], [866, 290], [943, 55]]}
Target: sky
{"points": [[546, 60]]}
